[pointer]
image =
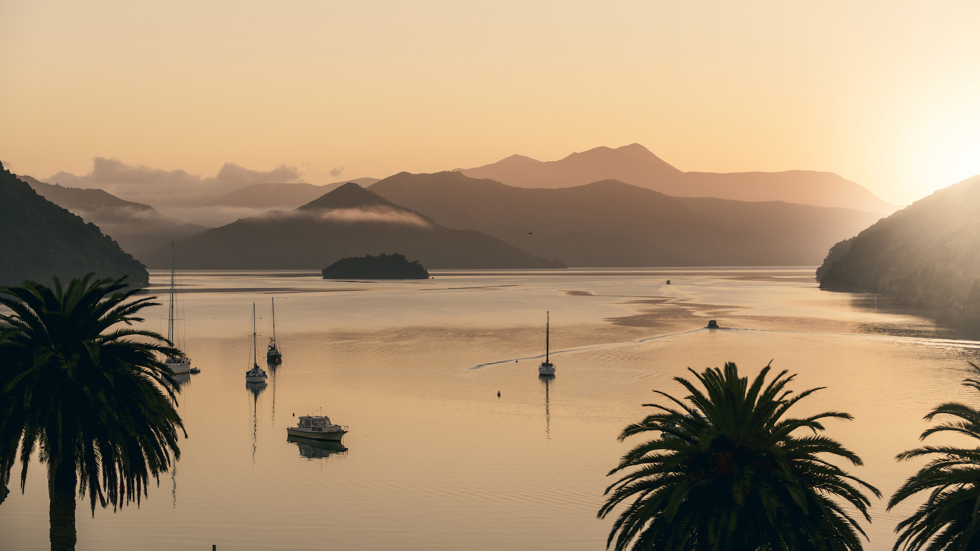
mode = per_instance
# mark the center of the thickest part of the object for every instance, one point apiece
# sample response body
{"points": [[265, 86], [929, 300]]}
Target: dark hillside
{"points": [[927, 254], [39, 239]]}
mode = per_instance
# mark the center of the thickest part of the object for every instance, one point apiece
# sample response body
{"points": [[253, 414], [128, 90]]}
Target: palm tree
{"points": [[727, 472], [949, 519], [90, 394]]}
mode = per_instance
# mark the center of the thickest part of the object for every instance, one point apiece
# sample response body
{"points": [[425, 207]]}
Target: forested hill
{"points": [[925, 255], [39, 239]]}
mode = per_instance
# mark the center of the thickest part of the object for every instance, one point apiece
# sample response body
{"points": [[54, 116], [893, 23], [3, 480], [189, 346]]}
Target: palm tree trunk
{"points": [[61, 489]]}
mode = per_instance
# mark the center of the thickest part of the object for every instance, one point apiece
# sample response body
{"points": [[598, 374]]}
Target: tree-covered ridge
{"points": [[384, 266], [39, 239], [925, 255]]}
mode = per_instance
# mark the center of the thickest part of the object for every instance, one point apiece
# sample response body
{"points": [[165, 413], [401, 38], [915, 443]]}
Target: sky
{"points": [[881, 92]]}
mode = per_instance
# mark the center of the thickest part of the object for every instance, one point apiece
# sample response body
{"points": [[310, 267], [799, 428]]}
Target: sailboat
{"points": [[256, 374], [178, 364], [273, 356], [546, 368]]}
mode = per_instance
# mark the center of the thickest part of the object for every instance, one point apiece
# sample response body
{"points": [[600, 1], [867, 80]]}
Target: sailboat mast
{"points": [[255, 354], [547, 339], [173, 268], [274, 319]]}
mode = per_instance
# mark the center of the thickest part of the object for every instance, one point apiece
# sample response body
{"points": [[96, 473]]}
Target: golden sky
{"points": [[886, 93]]}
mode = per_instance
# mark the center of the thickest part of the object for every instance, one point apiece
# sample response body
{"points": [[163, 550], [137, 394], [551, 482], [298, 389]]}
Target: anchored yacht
{"points": [[178, 364], [256, 374], [546, 368]]}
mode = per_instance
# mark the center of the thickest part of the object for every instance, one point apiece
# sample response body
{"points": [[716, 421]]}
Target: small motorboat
{"points": [[256, 374], [317, 427], [712, 324], [195, 370], [547, 369]]}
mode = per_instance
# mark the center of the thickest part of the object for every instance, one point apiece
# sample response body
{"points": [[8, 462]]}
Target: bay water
{"points": [[434, 458]]}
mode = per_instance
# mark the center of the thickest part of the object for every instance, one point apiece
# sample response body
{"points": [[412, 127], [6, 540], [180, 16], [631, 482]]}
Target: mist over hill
{"points": [[636, 165], [348, 221], [610, 223], [135, 226], [927, 254], [39, 239], [290, 196]]}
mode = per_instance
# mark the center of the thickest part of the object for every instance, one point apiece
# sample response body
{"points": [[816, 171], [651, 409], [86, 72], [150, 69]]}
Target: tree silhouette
{"points": [[727, 471], [89, 394]]}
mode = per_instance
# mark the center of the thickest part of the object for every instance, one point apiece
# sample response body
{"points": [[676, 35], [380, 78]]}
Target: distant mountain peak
{"points": [[633, 152], [348, 196], [519, 160]]}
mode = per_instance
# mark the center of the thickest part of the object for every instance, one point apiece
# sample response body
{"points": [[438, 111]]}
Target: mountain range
{"points": [[348, 221], [39, 239], [611, 223], [635, 164], [923, 255]]}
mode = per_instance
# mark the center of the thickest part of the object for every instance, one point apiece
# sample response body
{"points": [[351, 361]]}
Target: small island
{"points": [[385, 266]]}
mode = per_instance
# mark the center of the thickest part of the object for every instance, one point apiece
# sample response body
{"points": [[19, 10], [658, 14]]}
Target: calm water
{"points": [[434, 459]]}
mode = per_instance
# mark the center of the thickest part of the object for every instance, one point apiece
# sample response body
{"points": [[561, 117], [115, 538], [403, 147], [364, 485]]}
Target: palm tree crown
{"points": [[89, 394], [728, 473], [950, 517]]}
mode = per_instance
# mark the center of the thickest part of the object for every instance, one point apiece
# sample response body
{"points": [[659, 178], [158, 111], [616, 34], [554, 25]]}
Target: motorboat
{"points": [[256, 374], [317, 427], [176, 364], [546, 368], [273, 355], [195, 370]]}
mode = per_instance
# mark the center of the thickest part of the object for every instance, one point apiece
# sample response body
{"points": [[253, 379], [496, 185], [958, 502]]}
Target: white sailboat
{"points": [[546, 368], [273, 355], [178, 365], [256, 374]]}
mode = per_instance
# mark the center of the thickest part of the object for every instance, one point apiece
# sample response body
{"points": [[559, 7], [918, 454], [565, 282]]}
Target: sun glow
{"points": [[965, 161]]}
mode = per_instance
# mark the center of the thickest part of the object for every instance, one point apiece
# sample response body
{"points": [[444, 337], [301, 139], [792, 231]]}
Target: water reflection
{"points": [[181, 379], [256, 389], [547, 380], [273, 368], [317, 449], [946, 323]]}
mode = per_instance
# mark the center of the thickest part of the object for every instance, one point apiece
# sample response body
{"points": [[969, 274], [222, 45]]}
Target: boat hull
{"points": [[179, 368], [256, 379], [546, 369], [325, 436]]}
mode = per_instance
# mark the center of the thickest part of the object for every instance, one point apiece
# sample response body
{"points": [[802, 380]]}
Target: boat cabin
{"points": [[314, 423]]}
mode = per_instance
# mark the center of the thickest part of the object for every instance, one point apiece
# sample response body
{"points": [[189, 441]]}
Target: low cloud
{"points": [[384, 215], [336, 171], [389, 216], [160, 188]]}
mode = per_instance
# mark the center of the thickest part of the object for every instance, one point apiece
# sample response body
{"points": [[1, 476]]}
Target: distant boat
{"points": [[712, 324], [195, 370], [256, 374], [317, 427], [547, 368], [273, 355], [182, 364]]}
